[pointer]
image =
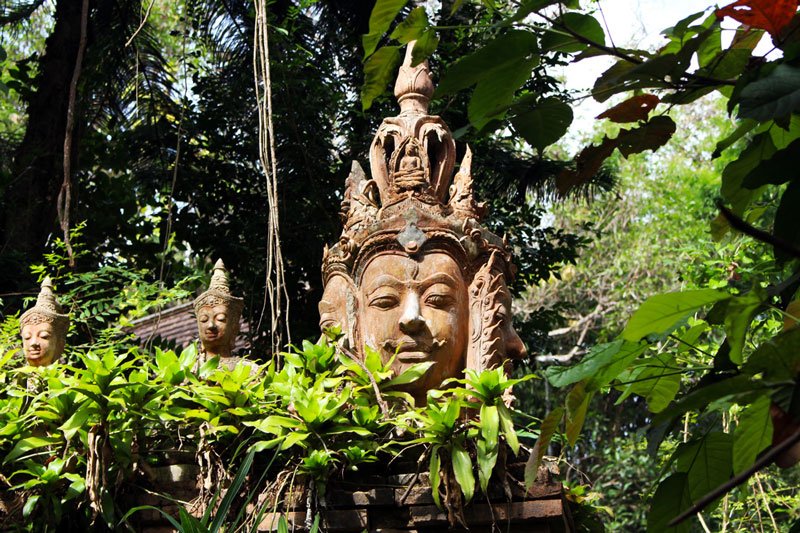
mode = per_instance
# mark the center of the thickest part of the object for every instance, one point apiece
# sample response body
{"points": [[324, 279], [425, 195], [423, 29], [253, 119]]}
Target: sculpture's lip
{"points": [[34, 356], [414, 355]]}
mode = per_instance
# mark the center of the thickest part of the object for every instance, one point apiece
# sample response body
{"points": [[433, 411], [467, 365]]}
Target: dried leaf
{"points": [[587, 164], [770, 15], [631, 110]]}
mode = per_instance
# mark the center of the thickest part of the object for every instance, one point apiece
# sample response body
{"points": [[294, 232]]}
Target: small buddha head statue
{"points": [[415, 275], [218, 313], [44, 328]]}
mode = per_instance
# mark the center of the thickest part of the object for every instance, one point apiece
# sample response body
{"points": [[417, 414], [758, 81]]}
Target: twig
{"points": [[141, 24], [759, 235], [415, 478], [738, 479]]}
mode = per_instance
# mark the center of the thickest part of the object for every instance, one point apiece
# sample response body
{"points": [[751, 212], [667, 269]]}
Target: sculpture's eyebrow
{"points": [[440, 277], [384, 280]]}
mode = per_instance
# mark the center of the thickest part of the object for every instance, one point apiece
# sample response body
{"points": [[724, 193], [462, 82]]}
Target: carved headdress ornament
{"points": [[219, 292], [412, 200], [47, 309]]}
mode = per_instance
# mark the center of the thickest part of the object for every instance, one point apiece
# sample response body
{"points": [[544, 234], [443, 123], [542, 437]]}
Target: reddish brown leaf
{"points": [[587, 164], [770, 15], [631, 110], [649, 136]]}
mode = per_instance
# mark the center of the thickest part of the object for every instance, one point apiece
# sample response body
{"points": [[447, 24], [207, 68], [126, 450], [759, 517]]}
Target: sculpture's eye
{"points": [[221, 317], [438, 300], [27, 336], [203, 318], [384, 301], [44, 335]]}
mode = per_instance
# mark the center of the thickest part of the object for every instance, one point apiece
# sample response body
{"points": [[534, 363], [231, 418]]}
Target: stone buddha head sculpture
{"points": [[415, 275], [44, 328], [218, 313]]}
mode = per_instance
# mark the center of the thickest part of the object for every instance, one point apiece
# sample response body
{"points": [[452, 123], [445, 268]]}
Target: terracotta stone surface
{"points": [[43, 328], [218, 313], [414, 271]]}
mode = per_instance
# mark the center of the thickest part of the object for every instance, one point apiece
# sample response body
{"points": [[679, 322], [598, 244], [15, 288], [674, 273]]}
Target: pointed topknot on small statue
{"points": [[413, 258], [44, 328], [218, 313]]}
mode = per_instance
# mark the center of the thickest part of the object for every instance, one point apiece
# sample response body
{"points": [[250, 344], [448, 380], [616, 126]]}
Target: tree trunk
{"points": [[29, 200]]}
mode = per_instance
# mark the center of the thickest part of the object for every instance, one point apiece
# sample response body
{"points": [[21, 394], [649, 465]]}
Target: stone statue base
{"points": [[395, 503]]}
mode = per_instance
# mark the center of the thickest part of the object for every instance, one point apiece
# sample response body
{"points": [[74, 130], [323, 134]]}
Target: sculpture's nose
{"points": [[411, 321], [515, 348]]}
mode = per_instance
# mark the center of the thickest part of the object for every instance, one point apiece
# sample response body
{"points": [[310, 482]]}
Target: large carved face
{"points": [[333, 308], [41, 344], [217, 329], [418, 309]]}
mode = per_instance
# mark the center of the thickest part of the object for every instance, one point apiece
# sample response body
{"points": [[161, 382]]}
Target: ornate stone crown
{"points": [[47, 309], [412, 201], [219, 292]]}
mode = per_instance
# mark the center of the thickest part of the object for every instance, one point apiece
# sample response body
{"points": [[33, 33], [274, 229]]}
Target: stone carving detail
{"points": [[44, 328], [218, 313], [415, 275]]}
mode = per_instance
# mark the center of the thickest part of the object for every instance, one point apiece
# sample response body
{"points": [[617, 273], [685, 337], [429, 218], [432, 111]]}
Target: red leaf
{"points": [[770, 15], [631, 110], [587, 164]]}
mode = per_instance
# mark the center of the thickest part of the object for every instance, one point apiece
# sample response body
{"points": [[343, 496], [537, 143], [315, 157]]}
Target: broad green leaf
{"points": [[753, 434], [787, 220], [379, 71], [670, 500], [546, 431], [745, 126], [655, 379], [462, 468], [739, 312], [25, 445], [412, 27], [561, 38], [779, 168], [732, 189], [433, 470], [503, 53], [662, 312], [611, 82], [411, 374], [383, 13], [77, 420], [601, 364], [283, 525], [424, 46], [776, 95], [489, 424], [507, 426], [487, 458], [577, 404], [30, 505], [495, 93], [546, 123], [707, 461], [777, 358], [701, 398]]}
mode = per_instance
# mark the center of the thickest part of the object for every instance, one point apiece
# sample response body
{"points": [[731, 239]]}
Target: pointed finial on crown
{"points": [[219, 278], [414, 86], [219, 292]]}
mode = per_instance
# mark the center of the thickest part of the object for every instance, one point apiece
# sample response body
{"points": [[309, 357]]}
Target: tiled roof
{"points": [[177, 325]]}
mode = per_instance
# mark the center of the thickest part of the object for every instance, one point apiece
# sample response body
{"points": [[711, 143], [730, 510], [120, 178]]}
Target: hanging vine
{"points": [[275, 294]]}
